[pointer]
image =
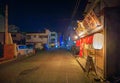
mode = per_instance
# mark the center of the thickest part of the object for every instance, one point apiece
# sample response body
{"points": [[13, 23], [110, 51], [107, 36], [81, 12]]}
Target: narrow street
{"points": [[55, 66]]}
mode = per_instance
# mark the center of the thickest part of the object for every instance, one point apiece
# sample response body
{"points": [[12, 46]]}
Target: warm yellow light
{"points": [[76, 37], [98, 40], [74, 28], [82, 33]]}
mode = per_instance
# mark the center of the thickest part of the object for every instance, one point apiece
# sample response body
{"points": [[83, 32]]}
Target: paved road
{"points": [[56, 66]]}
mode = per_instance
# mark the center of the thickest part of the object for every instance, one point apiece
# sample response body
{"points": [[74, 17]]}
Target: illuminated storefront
{"points": [[90, 31], [98, 38]]}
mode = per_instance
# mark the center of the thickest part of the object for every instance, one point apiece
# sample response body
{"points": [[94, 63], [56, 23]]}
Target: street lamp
{"points": [[76, 37]]}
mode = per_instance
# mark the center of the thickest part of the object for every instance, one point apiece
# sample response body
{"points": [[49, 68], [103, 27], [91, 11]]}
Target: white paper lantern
{"points": [[98, 40]]}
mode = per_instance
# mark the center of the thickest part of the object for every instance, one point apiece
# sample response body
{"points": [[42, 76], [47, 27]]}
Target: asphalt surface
{"points": [[55, 66]]}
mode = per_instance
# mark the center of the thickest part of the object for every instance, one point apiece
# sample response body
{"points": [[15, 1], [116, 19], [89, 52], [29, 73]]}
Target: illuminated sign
{"points": [[91, 21], [89, 25]]}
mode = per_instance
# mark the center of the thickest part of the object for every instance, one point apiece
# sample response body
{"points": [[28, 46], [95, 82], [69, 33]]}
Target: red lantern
{"points": [[84, 40], [81, 53], [81, 40], [81, 47], [89, 40], [78, 43]]}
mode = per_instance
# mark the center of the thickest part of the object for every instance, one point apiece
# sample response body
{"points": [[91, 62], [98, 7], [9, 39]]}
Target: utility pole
{"points": [[9, 48]]}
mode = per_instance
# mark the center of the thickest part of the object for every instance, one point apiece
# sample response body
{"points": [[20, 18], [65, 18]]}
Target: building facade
{"points": [[98, 33], [37, 39], [2, 23], [18, 38], [52, 40]]}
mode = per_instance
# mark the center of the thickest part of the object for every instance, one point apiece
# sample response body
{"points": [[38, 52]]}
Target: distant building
{"points": [[2, 30], [53, 40], [13, 28], [61, 41], [18, 38], [2, 23], [37, 39], [2, 38]]}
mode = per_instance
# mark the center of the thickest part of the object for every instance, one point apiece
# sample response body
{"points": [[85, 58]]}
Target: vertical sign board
{"points": [[90, 66]]}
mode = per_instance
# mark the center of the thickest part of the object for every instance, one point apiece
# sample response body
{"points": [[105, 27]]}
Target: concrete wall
{"points": [[10, 51]]}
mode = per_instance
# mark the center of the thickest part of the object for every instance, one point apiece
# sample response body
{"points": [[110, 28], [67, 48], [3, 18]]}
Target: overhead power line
{"points": [[72, 16], [75, 9]]}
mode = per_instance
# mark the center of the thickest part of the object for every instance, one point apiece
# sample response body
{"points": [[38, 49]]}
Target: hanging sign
{"points": [[91, 21]]}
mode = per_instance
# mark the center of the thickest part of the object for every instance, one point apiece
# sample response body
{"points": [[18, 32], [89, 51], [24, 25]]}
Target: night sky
{"points": [[36, 15]]}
